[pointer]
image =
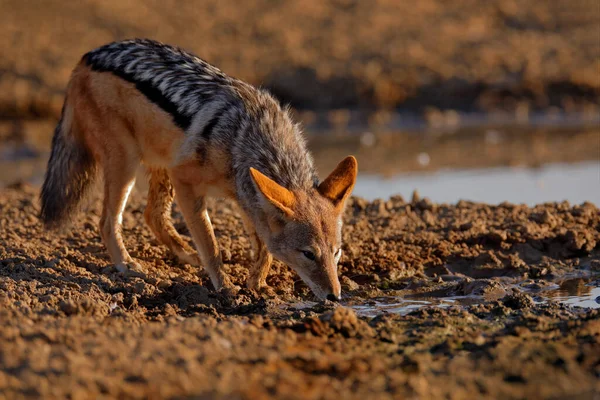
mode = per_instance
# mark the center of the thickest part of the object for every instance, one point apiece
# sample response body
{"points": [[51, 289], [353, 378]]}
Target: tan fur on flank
{"points": [[199, 133]]}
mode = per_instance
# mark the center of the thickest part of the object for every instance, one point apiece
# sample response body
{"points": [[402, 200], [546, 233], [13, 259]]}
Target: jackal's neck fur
{"points": [[214, 110]]}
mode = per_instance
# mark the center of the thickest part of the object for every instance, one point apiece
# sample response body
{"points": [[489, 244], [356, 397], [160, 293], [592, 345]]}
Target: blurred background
{"points": [[484, 100]]}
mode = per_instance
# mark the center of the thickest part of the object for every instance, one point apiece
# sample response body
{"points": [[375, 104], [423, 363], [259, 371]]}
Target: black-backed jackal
{"points": [[199, 133]]}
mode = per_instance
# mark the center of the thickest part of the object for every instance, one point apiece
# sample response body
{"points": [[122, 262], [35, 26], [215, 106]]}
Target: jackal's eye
{"points": [[308, 254]]}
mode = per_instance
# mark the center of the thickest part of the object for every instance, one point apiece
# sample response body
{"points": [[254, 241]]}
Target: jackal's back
{"points": [[219, 115], [178, 82]]}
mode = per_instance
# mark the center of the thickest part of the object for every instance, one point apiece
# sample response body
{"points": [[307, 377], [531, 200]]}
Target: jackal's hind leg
{"points": [[158, 217], [119, 178]]}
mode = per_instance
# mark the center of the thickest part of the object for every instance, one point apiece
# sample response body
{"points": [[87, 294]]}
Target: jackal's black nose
{"points": [[333, 297]]}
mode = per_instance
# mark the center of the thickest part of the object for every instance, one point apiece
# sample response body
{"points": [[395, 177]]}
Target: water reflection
{"points": [[402, 306], [576, 291], [575, 183]]}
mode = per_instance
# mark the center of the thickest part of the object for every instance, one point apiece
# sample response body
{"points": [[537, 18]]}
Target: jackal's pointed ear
{"points": [[339, 184], [276, 194]]}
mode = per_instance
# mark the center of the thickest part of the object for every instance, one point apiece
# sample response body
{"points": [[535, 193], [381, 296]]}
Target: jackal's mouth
{"points": [[322, 293]]}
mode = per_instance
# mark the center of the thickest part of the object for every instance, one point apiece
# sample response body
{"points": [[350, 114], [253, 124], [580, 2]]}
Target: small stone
{"points": [[479, 340], [139, 287], [68, 307], [108, 270], [349, 284], [118, 298], [428, 217], [424, 204], [397, 198], [415, 196], [165, 283], [359, 203], [226, 255], [378, 206], [518, 300]]}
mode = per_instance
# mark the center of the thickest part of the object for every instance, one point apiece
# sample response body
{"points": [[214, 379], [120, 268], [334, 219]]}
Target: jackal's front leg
{"points": [[261, 259], [196, 217], [257, 279]]}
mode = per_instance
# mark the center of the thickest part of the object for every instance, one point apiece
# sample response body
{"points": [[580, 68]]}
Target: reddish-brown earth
{"points": [[73, 327]]}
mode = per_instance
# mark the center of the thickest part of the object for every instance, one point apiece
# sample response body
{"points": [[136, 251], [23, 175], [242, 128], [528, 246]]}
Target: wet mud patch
{"points": [[483, 278]]}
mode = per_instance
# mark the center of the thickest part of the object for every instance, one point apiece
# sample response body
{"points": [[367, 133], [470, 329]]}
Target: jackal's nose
{"points": [[333, 297]]}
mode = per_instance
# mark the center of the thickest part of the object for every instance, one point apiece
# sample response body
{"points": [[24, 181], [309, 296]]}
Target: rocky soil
{"points": [[70, 326], [73, 327]]}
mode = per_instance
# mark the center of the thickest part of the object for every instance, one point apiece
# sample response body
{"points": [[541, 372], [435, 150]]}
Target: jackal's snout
{"points": [[332, 287], [322, 280], [335, 291], [333, 297]]}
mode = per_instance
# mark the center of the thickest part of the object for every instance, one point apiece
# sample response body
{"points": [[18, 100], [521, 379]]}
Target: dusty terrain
{"points": [[314, 54], [73, 327]]}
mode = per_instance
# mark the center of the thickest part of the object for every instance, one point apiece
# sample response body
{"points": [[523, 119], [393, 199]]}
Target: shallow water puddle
{"points": [[575, 291], [403, 306], [592, 300], [579, 291], [553, 182], [395, 305]]}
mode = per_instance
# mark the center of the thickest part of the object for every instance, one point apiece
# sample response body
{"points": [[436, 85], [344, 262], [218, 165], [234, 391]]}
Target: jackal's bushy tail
{"points": [[71, 171]]}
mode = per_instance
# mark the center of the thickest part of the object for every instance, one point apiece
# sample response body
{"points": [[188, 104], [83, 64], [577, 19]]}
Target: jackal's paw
{"points": [[228, 284], [267, 291], [229, 291], [189, 258], [131, 269], [255, 283], [261, 288]]}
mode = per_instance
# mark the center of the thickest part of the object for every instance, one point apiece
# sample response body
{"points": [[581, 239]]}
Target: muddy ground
{"points": [[322, 55], [73, 327]]}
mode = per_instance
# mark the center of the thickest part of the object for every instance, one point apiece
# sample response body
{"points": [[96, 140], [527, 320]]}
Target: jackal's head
{"points": [[303, 228]]}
